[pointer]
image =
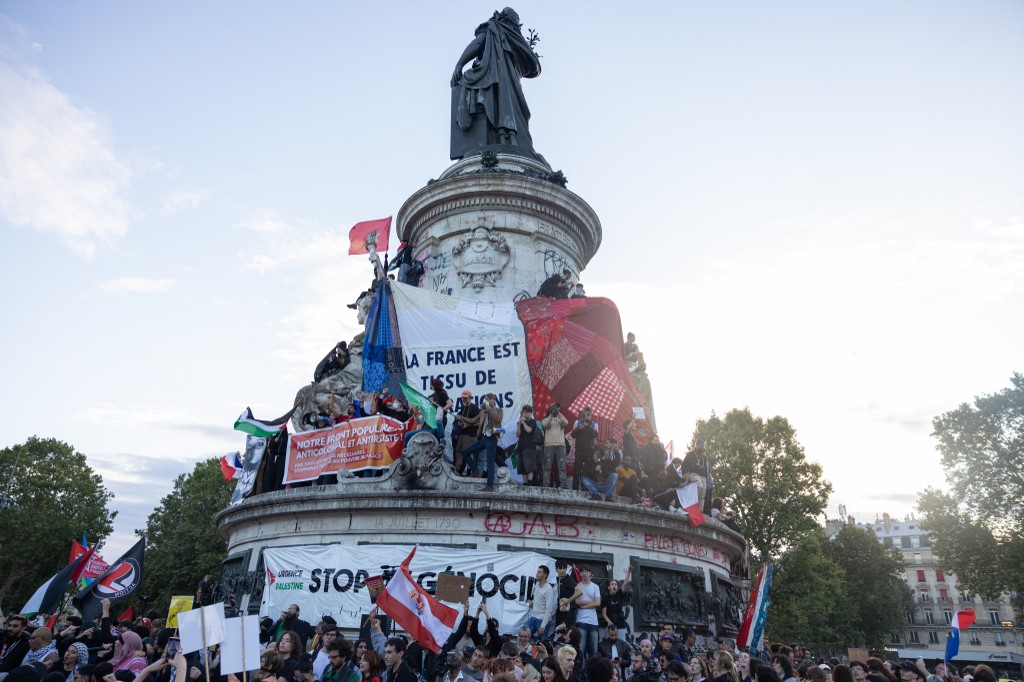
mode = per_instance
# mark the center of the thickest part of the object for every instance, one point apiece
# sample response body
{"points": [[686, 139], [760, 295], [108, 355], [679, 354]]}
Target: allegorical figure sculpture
{"points": [[488, 106]]}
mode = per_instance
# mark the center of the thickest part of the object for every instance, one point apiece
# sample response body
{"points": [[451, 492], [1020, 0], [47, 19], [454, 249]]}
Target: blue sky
{"points": [[814, 210]]}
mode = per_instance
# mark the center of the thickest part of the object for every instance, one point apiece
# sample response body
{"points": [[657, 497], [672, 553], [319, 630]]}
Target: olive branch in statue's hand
{"points": [[533, 38]]}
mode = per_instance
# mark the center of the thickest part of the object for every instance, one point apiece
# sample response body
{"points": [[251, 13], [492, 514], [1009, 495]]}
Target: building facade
{"points": [[997, 636]]}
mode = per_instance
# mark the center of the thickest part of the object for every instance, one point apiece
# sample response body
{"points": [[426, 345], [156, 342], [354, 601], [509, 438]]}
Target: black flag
{"points": [[121, 580]]}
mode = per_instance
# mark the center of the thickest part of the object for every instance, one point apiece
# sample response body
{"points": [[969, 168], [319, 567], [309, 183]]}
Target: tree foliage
{"points": [[55, 496], [977, 526], [759, 466], [182, 543], [875, 581], [810, 602]]}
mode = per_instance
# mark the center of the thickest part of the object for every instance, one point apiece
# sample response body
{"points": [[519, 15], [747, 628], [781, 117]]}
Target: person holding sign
{"points": [[490, 427]]}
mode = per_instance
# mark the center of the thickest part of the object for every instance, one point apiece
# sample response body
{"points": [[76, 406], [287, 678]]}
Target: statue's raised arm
{"points": [[488, 106]]}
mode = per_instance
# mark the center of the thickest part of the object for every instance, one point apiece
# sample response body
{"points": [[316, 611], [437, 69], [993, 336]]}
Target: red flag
{"points": [[428, 621], [127, 615], [371, 232], [92, 566], [52, 622]]}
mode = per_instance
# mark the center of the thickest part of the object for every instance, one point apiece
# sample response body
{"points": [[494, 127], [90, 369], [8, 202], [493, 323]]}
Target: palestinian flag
{"points": [[249, 424], [47, 596], [421, 401]]}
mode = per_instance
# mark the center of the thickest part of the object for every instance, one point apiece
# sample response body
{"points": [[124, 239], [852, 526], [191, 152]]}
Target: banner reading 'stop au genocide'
{"points": [[364, 443], [331, 579], [479, 345]]}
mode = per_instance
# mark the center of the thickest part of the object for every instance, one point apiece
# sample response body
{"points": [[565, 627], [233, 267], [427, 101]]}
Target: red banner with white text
{"points": [[365, 443]]}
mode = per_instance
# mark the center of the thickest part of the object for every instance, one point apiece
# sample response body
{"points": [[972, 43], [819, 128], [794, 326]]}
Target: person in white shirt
{"points": [[586, 617], [542, 605]]}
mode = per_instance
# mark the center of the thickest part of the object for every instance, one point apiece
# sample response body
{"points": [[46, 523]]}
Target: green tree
{"points": [[54, 497], [810, 603], [875, 581], [182, 543], [977, 526], [759, 466]]}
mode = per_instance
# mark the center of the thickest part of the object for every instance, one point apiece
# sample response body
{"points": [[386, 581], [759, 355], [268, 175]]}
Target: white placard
{"points": [[240, 634], [191, 627]]}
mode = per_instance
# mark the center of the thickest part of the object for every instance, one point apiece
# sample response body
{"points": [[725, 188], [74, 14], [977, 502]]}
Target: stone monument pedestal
{"points": [[494, 226]]}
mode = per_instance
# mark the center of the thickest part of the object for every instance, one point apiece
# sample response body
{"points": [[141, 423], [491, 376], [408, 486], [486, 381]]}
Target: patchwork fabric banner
{"points": [[575, 357], [357, 444], [477, 345]]}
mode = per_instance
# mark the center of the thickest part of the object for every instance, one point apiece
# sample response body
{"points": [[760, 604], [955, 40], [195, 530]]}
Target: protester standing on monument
{"points": [[554, 444], [468, 418], [584, 434], [490, 428], [529, 436]]}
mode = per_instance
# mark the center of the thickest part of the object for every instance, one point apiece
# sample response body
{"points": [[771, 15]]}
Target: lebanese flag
{"points": [[428, 621], [961, 621], [230, 466], [373, 233], [689, 501]]}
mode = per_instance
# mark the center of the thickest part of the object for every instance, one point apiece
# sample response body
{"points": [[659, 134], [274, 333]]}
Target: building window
{"points": [[929, 617], [975, 638], [933, 638], [939, 577], [905, 542], [920, 575], [894, 638], [949, 615], [915, 541], [993, 615], [911, 618], [943, 593], [925, 596], [999, 639], [965, 596], [896, 526], [917, 558], [912, 637]]}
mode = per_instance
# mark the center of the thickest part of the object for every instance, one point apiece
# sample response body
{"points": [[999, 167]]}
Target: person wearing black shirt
{"points": [[568, 590]]}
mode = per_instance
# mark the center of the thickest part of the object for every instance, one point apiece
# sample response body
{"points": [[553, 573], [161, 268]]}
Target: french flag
{"points": [[961, 621], [230, 466]]}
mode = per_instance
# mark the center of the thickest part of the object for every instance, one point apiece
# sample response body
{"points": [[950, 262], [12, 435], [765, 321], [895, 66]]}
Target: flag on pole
{"points": [[121, 580], [428, 621], [230, 466], [671, 450], [127, 614], [754, 618], [421, 401], [961, 621], [370, 236], [246, 423], [690, 502], [46, 598], [92, 566]]}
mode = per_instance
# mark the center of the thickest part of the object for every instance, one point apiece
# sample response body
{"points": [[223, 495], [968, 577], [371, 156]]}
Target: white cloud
{"points": [[182, 200], [264, 222], [136, 285], [59, 170]]}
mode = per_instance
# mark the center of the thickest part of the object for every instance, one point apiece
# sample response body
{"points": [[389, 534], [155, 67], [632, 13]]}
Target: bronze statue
{"points": [[488, 106]]}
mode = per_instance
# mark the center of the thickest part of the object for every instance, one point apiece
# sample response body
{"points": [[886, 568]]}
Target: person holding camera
{"points": [[490, 428], [584, 433], [554, 424]]}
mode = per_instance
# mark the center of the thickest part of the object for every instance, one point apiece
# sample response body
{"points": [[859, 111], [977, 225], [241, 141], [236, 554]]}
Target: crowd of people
{"points": [[583, 641]]}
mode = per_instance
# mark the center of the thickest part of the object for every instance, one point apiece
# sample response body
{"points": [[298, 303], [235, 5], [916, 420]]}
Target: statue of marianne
{"points": [[488, 106]]}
